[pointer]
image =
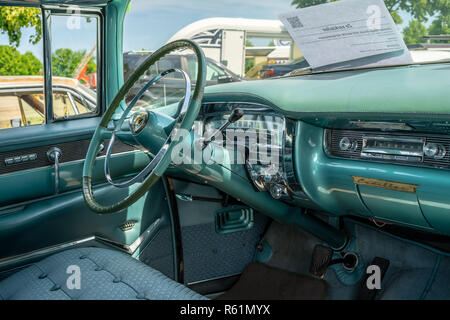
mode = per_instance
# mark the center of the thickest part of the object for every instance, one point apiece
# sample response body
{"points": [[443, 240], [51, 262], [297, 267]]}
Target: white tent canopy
{"points": [[223, 39], [254, 28]]}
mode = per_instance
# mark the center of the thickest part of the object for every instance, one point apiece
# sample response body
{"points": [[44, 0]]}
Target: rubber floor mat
{"points": [[259, 281]]}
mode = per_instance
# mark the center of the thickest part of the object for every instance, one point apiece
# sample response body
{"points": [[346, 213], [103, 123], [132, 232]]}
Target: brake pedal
{"points": [[320, 260]]}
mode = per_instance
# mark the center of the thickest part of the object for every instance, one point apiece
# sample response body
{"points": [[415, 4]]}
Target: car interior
{"points": [[330, 185]]}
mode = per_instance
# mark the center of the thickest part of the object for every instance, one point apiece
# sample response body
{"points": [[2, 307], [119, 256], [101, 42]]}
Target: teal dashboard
{"points": [[389, 164]]}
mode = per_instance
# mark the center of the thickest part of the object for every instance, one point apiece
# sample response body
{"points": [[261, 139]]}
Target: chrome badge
{"points": [[138, 122]]}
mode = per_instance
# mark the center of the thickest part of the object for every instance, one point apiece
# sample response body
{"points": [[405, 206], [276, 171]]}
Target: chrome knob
{"points": [[346, 144], [276, 190], [267, 178], [434, 150]]}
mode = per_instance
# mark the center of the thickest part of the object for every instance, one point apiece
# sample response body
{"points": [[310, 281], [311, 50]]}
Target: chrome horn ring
{"points": [[180, 116]]}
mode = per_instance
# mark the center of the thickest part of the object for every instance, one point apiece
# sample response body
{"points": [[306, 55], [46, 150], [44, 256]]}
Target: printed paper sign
{"points": [[347, 33]]}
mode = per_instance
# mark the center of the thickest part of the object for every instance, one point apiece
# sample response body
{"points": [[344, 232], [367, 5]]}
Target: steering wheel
{"points": [[146, 128]]}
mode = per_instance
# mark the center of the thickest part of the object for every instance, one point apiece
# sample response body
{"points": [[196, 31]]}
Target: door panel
{"points": [[32, 184], [35, 221], [67, 218]]}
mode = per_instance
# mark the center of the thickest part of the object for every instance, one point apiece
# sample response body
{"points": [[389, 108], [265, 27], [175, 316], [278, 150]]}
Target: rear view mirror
{"points": [[224, 79]]}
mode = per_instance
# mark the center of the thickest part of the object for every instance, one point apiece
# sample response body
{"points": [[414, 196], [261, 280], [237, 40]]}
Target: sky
{"points": [[150, 23]]}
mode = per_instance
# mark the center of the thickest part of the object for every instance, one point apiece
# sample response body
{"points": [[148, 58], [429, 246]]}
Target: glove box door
{"points": [[391, 205]]}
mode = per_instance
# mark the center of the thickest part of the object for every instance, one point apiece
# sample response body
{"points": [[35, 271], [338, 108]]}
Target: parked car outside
{"points": [[23, 103], [171, 87], [278, 70]]}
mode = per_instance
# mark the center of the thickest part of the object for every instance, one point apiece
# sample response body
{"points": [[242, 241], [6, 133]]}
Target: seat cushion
{"points": [[104, 274]]}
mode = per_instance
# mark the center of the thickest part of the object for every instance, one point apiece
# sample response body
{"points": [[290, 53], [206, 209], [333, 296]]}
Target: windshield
{"points": [[246, 36]]}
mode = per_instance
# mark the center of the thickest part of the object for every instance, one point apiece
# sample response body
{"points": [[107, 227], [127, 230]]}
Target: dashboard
{"points": [[368, 143], [387, 171], [391, 176]]}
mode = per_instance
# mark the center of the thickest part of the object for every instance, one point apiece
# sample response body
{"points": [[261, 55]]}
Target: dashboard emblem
{"points": [[385, 184], [138, 122]]}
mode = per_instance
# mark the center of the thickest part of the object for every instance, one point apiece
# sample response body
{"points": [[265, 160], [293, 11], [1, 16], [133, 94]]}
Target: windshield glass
{"points": [[250, 37]]}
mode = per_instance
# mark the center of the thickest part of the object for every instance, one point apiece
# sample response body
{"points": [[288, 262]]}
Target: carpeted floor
{"points": [[261, 282], [415, 271]]}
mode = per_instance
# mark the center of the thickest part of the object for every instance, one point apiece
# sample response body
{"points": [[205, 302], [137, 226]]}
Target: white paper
{"points": [[347, 33]]}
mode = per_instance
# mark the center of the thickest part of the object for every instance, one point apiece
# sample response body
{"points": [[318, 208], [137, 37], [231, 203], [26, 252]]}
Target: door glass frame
{"points": [[47, 13]]}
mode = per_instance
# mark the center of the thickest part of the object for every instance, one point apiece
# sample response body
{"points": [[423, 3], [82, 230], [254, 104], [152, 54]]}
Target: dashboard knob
{"points": [[346, 144], [276, 190], [434, 150], [267, 178]]}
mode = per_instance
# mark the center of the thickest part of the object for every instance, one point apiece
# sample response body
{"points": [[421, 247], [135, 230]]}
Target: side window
{"points": [[22, 100], [74, 65], [73, 49]]}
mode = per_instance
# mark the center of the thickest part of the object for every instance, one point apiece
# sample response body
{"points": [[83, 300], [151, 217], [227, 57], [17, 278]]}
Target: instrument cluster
{"points": [[264, 138]]}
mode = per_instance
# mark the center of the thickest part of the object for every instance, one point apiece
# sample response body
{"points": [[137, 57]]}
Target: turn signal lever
{"points": [[235, 115], [54, 155]]}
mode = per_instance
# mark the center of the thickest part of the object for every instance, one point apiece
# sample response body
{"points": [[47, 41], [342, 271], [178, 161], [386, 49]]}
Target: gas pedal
{"points": [[320, 260]]}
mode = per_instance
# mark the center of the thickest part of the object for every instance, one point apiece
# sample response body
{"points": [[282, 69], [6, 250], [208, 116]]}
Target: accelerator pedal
{"points": [[320, 260]]}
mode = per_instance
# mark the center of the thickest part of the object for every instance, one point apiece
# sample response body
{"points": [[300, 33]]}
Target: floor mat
{"points": [[259, 281], [209, 255]]}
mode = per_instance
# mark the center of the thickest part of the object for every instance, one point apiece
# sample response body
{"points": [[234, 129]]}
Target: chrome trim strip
{"points": [[144, 236], [45, 251], [130, 249]]}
